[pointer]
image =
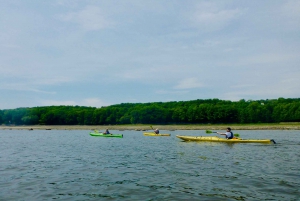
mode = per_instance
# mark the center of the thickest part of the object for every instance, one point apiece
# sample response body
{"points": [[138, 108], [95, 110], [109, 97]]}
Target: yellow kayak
{"points": [[153, 134], [218, 139]]}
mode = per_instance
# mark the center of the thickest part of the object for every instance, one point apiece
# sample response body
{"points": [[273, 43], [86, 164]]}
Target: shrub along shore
{"points": [[144, 127]]}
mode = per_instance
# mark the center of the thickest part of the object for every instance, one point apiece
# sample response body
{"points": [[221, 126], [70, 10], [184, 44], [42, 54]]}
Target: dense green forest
{"points": [[176, 112]]}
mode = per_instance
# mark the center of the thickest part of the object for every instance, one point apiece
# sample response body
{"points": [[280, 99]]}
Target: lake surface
{"points": [[71, 165]]}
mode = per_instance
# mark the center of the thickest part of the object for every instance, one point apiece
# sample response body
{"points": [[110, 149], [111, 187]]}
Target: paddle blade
{"points": [[236, 135], [151, 127], [208, 131]]}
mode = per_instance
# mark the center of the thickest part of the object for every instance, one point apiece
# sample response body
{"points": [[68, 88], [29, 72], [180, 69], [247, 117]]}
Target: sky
{"points": [[101, 53]]}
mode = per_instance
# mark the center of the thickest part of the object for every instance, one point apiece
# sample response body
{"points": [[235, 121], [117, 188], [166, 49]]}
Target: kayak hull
{"points": [[218, 139], [106, 135], [153, 134]]}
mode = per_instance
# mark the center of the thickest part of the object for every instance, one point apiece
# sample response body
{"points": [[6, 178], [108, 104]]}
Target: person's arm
{"points": [[221, 133]]}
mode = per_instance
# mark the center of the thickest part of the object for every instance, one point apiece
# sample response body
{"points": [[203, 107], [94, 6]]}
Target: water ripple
{"points": [[59, 165]]}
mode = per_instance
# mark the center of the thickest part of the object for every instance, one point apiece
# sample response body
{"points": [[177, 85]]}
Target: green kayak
{"points": [[106, 135]]}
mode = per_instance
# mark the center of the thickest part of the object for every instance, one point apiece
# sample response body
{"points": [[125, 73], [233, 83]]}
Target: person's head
{"points": [[228, 129], [156, 129]]}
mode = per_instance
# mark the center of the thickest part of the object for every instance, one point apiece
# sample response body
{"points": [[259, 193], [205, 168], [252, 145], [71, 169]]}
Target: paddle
{"points": [[153, 129], [209, 132]]}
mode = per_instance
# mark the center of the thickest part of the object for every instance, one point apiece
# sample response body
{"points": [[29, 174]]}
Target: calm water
{"points": [[71, 165]]}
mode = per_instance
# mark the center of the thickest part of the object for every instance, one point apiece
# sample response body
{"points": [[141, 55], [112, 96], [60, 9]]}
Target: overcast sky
{"points": [[99, 53]]}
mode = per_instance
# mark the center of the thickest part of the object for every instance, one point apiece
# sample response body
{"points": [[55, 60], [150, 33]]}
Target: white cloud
{"points": [[23, 87], [292, 9], [92, 102], [157, 73], [286, 85], [222, 16], [67, 3], [267, 58], [189, 83], [90, 18], [56, 102], [33, 81], [34, 84], [55, 80], [211, 17], [178, 92]]}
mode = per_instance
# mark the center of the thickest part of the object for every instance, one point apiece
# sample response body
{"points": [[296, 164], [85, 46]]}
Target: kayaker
{"points": [[156, 131], [228, 134], [106, 131]]}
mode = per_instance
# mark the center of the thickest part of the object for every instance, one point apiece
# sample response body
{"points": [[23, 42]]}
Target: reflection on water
{"points": [[71, 165]]}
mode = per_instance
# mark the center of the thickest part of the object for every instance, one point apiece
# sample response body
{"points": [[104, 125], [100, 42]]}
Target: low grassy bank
{"points": [[277, 126]]}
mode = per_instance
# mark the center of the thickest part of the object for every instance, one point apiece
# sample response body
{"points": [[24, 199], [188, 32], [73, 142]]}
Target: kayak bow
{"points": [[218, 139]]}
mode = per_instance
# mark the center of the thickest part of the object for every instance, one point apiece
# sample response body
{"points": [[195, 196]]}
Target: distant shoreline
{"points": [[142, 127]]}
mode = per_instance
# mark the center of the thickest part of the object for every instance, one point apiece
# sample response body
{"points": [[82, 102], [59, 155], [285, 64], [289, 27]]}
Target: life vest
{"points": [[231, 136]]}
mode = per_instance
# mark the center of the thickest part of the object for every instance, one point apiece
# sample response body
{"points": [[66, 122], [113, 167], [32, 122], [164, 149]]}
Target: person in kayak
{"points": [[106, 131], [156, 131], [228, 134]]}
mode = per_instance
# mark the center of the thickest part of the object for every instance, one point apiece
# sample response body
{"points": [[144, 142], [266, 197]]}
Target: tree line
{"points": [[176, 112]]}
